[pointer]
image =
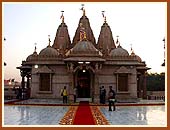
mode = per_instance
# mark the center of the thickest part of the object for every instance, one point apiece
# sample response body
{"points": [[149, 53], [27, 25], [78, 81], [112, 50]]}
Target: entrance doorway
{"points": [[83, 83]]}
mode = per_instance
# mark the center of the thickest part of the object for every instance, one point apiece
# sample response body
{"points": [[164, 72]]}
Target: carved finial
{"points": [[132, 51], [82, 33], [49, 40], [35, 47], [83, 9], [103, 14], [117, 42], [62, 16]]}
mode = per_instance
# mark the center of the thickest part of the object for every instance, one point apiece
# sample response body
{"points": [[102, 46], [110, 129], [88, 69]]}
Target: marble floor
{"points": [[136, 115], [22, 115], [33, 115]]}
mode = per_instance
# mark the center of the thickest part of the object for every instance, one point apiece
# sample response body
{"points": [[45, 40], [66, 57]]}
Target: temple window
{"points": [[122, 82], [45, 82]]}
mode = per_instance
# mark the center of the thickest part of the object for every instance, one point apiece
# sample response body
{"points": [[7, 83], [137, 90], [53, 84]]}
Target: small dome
{"points": [[32, 56], [84, 47], [119, 52], [49, 52], [138, 58]]}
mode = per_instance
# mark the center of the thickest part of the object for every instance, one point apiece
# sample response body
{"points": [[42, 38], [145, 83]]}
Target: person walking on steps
{"points": [[111, 98]]}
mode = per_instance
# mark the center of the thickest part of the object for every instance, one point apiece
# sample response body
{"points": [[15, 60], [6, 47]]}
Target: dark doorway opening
{"points": [[83, 84]]}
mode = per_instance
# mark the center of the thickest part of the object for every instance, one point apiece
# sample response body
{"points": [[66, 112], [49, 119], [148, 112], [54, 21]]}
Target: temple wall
{"points": [[106, 77], [60, 78]]}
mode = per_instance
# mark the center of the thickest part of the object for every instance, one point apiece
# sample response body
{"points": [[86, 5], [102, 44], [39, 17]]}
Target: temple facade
{"points": [[85, 64]]}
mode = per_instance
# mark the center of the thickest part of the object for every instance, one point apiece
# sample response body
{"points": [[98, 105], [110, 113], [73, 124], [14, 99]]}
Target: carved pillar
{"points": [[138, 86], [71, 86], [98, 68], [140, 81], [23, 79], [70, 67], [28, 81], [28, 91], [96, 89], [144, 86]]}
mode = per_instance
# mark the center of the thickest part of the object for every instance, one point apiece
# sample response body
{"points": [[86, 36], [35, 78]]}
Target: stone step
{"points": [[84, 99]]}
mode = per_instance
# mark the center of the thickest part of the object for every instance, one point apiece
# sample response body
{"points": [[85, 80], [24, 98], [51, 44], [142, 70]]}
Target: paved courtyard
{"points": [[21, 115], [136, 115], [33, 115]]}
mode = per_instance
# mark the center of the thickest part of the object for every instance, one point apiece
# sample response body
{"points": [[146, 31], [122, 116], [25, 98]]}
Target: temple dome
{"points": [[48, 52], [32, 56], [138, 58], [84, 48], [119, 51]]}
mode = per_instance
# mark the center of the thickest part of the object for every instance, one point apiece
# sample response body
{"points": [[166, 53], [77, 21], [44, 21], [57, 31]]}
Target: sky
{"points": [[140, 25]]}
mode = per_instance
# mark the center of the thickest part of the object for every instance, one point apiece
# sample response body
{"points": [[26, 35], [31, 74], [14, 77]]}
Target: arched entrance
{"points": [[83, 81]]}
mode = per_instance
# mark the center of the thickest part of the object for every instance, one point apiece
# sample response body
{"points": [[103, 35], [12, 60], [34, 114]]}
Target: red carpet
{"points": [[83, 115]]}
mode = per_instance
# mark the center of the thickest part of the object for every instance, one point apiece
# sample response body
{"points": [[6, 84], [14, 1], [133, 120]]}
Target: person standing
{"points": [[64, 94], [111, 98], [103, 95], [75, 94]]}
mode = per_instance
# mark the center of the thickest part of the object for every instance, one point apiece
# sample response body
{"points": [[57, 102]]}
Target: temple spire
{"points": [[105, 41], [83, 9], [62, 16], [88, 31]]}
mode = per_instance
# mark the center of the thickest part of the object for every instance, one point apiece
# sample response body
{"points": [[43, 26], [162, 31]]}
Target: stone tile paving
{"points": [[40, 101], [51, 115], [136, 115], [33, 115]]}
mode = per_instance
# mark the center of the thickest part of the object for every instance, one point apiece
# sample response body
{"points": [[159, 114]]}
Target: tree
{"points": [[155, 82]]}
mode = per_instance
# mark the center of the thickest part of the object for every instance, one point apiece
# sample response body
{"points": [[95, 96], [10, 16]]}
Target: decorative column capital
{"points": [[98, 67], [70, 67]]}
